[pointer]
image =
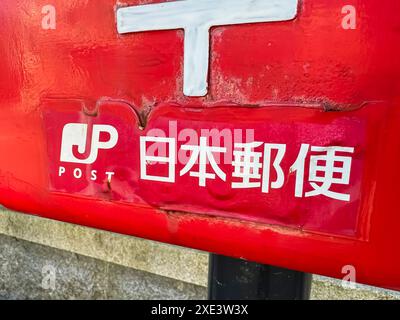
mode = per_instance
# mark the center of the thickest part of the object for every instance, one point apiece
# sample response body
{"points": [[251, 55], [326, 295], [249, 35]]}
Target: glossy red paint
{"points": [[116, 173], [309, 69]]}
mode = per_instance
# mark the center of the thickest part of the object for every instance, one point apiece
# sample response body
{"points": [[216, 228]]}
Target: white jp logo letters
{"points": [[75, 136], [196, 17]]}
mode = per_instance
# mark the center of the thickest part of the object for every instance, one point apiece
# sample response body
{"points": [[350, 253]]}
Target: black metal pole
{"points": [[235, 279]]}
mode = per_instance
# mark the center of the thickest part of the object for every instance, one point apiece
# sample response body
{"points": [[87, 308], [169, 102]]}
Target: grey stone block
{"points": [[127, 283], [25, 266]]}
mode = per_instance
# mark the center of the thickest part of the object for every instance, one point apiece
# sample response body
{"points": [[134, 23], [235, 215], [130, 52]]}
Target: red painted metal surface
{"points": [[303, 81]]}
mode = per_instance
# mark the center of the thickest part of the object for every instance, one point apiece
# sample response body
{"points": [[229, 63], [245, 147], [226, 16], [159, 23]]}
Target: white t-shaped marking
{"points": [[196, 17]]}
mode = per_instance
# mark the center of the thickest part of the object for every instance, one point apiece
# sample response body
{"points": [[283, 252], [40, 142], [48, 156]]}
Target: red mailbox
{"points": [[263, 129]]}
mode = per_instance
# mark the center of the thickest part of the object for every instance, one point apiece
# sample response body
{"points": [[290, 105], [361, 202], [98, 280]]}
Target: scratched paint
{"points": [[309, 62], [90, 159], [196, 17]]}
